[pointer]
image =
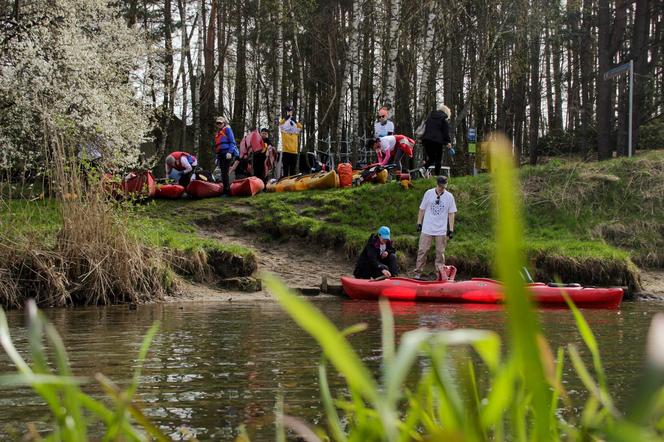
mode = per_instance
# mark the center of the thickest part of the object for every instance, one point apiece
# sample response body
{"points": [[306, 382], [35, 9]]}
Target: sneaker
{"points": [[417, 276]]}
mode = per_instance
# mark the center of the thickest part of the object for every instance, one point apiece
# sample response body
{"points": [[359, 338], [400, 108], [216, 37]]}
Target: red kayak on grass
{"points": [[477, 290], [169, 191], [246, 187], [204, 189], [139, 184]]}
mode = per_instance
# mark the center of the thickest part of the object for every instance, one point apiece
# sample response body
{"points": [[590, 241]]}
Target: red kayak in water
{"points": [[477, 290], [246, 187], [204, 189]]}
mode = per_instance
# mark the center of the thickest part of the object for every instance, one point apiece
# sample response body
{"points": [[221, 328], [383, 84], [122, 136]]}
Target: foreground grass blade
{"points": [[589, 339], [523, 325], [333, 421], [387, 321], [335, 346]]}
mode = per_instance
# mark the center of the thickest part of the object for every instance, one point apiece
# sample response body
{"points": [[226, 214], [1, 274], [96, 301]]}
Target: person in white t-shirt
{"points": [[435, 221], [383, 127]]}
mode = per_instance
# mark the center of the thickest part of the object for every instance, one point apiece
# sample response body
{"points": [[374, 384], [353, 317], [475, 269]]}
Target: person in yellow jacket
{"points": [[290, 129]]}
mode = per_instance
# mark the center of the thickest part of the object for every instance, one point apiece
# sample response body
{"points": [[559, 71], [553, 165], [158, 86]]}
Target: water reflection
{"points": [[214, 366]]}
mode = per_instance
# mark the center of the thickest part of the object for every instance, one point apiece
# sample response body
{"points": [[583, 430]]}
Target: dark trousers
{"points": [[434, 152], [259, 165], [366, 271], [224, 164], [289, 163], [396, 159]]}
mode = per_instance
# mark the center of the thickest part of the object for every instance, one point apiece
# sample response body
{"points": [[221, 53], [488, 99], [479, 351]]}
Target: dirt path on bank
{"points": [[298, 262], [653, 282]]}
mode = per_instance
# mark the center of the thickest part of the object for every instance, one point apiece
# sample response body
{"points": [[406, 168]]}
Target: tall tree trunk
{"points": [[609, 38], [587, 65], [207, 90], [185, 57], [194, 81], [640, 57], [392, 44], [257, 67], [550, 106], [354, 60], [222, 46], [278, 70], [534, 94], [427, 95], [240, 101]]}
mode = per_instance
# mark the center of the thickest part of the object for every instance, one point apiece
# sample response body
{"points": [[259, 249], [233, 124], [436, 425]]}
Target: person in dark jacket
{"points": [[378, 257], [436, 135]]}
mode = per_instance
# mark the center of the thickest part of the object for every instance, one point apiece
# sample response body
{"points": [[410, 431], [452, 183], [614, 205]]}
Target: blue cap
{"points": [[384, 232]]}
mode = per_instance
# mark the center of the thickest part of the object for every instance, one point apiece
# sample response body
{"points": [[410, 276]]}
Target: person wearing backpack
{"points": [[436, 135]]}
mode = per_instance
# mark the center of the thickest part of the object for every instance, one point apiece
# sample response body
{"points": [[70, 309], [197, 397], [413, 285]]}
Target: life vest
{"points": [[178, 159], [405, 144], [224, 140]]}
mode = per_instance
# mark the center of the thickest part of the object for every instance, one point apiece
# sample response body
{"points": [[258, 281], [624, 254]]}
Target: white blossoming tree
{"points": [[68, 70]]}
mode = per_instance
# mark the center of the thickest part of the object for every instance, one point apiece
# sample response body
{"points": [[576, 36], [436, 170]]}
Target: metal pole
{"points": [[631, 99]]}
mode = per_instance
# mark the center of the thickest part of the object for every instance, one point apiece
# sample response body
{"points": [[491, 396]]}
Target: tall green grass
{"points": [[74, 413], [512, 395]]}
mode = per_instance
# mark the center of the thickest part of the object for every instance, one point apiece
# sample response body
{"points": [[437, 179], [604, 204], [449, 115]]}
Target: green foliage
{"points": [[651, 134]]}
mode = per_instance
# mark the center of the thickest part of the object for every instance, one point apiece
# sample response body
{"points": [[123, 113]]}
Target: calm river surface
{"points": [[214, 366]]}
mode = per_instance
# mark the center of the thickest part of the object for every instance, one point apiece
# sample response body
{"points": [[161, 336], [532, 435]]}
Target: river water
{"points": [[217, 365]]}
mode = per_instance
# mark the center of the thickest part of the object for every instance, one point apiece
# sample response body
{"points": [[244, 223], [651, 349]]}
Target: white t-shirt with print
{"points": [[436, 212]]}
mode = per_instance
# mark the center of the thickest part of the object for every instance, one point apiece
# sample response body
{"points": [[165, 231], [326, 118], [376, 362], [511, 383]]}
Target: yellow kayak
{"points": [[295, 183], [285, 184], [320, 180]]}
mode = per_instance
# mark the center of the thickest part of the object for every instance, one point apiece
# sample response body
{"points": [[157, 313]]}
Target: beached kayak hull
{"points": [[320, 181], [247, 186], [169, 191], [315, 181], [139, 184], [288, 183], [477, 290], [204, 189]]}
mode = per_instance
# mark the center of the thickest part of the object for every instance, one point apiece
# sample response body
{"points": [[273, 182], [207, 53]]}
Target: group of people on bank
{"points": [[257, 158], [435, 220], [388, 146]]}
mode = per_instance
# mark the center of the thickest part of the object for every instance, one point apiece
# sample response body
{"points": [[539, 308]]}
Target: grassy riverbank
{"points": [[594, 223], [95, 252]]}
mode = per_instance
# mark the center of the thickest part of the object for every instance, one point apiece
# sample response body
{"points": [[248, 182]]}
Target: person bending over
{"points": [[180, 166], [391, 148], [378, 257]]}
